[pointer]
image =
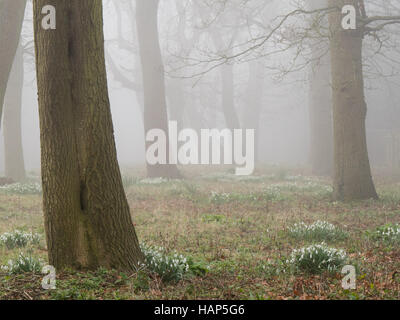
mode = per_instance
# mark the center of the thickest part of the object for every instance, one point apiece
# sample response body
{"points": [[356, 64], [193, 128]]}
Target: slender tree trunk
{"points": [[320, 110], [13, 151], [352, 172], [228, 97], [87, 217], [227, 88], [320, 103], [12, 14], [253, 99], [176, 101], [155, 105]]}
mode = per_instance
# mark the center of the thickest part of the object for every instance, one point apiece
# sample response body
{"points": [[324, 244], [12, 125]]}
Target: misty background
{"points": [[284, 123]]}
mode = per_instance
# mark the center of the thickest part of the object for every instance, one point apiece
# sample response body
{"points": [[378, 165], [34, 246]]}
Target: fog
{"points": [[284, 119]]}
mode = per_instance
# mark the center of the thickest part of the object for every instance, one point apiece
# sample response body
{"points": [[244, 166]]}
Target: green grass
{"points": [[238, 245]]}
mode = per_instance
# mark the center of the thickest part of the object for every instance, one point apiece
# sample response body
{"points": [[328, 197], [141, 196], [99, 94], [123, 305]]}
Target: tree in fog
{"points": [[352, 172], [218, 28], [254, 102], [87, 217], [13, 151], [320, 97], [11, 18], [352, 178], [155, 104], [227, 75]]}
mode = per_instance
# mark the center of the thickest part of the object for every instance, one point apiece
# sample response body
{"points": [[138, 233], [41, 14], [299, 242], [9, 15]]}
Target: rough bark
{"points": [[11, 18], [13, 150], [87, 217], [352, 172], [155, 105]]}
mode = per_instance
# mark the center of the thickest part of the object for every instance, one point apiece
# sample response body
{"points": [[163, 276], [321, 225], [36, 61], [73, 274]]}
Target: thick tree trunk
{"points": [[352, 172], [12, 14], [13, 151], [87, 217], [155, 105]]}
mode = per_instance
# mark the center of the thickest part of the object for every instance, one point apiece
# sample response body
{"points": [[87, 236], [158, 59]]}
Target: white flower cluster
{"points": [[317, 258], [318, 225], [23, 188], [23, 264], [154, 181], [220, 197], [18, 239], [298, 178], [249, 178], [308, 186], [230, 177], [388, 233], [319, 230], [273, 192], [168, 267]]}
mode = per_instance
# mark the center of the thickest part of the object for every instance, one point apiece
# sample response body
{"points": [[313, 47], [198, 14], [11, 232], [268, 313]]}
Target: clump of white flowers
{"points": [[170, 267], [273, 193], [158, 181], [19, 239], [388, 233], [23, 264], [220, 197], [319, 230], [317, 258], [154, 180], [23, 188], [314, 187]]}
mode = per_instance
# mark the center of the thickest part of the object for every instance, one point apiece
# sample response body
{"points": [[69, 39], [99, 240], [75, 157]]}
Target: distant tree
{"points": [[254, 102], [11, 18], [87, 216], [219, 28], [13, 150], [352, 172], [227, 85], [320, 97], [155, 104]]}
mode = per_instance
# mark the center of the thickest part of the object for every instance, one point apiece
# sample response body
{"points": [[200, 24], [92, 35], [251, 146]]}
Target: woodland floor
{"points": [[237, 227]]}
